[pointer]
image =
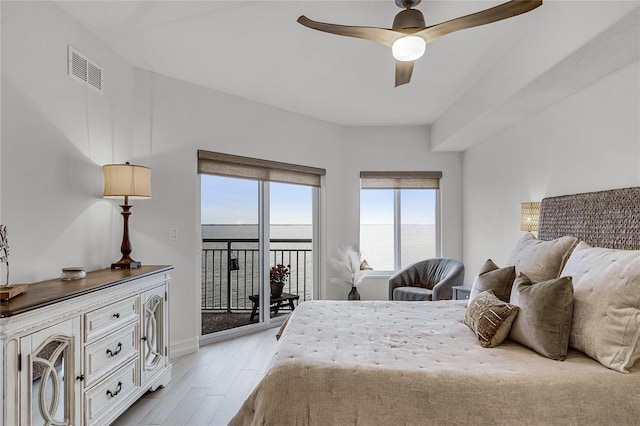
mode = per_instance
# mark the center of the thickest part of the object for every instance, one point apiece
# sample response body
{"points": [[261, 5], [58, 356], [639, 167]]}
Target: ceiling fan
{"points": [[408, 36]]}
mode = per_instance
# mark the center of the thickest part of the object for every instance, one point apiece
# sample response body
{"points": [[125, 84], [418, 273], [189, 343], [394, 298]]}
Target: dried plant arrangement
{"points": [[350, 269], [4, 251], [7, 291], [347, 264]]}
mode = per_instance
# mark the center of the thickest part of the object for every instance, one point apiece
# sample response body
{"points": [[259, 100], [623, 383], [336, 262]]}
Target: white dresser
{"points": [[81, 352]]}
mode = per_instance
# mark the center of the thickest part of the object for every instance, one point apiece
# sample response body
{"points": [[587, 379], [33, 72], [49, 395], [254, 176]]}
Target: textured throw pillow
{"points": [[541, 260], [490, 318], [544, 321], [606, 311], [493, 278]]}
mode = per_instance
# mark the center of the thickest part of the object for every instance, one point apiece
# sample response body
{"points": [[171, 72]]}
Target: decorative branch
{"points": [[4, 249]]}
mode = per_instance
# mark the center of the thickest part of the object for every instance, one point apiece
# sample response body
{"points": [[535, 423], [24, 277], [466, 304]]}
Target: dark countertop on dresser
{"points": [[46, 293]]}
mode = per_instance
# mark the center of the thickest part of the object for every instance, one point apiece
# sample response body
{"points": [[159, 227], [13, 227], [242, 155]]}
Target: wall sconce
{"points": [[128, 181], [529, 216]]}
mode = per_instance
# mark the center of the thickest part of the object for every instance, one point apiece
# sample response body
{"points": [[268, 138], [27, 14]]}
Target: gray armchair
{"points": [[429, 279]]}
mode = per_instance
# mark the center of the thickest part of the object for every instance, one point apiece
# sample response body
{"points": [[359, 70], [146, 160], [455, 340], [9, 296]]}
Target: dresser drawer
{"points": [[109, 393], [104, 320], [109, 353]]}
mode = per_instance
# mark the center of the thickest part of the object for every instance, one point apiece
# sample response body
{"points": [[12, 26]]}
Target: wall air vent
{"points": [[84, 70]]}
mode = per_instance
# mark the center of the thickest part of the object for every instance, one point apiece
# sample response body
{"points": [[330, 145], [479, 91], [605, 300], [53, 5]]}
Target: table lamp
{"points": [[128, 181]]}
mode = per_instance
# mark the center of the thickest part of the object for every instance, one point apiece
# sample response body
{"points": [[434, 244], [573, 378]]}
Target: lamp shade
{"points": [[126, 180], [529, 216]]}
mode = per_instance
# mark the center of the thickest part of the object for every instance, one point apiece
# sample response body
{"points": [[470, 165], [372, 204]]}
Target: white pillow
{"points": [[606, 309]]}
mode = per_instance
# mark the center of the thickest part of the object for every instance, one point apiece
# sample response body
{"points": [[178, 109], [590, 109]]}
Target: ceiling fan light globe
{"points": [[408, 48]]}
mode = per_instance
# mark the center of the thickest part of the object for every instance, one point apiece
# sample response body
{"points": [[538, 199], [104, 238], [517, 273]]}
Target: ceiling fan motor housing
{"points": [[407, 4], [410, 18]]}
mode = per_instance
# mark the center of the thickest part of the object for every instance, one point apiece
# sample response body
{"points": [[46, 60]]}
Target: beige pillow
{"points": [[541, 260], [544, 321], [490, 318], [606, 312], [493, 278]]}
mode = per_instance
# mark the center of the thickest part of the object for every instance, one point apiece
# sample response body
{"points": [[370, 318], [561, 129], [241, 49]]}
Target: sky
{"points": [[235, 201], [417, 206]]}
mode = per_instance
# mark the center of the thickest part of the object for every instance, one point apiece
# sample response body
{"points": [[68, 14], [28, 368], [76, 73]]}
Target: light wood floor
{"points": [[208, 387]]}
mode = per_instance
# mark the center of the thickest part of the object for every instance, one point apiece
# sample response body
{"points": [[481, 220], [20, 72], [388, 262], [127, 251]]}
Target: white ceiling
{"points": [[257, 50]]}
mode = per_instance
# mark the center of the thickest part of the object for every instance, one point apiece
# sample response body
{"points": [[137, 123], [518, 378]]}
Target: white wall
{"points": [[56, 134], [587, 142]]}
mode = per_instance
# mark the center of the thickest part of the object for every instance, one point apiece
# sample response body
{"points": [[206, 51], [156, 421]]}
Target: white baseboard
{"points": [[184, 347], [238, 332]]}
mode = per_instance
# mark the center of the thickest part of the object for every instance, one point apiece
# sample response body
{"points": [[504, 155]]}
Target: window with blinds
{"points": [[400, 180], [399, 220], [215, 163]]}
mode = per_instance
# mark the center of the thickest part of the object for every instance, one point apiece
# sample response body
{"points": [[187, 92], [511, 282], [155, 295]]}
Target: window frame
{"points": [[399, 181]]}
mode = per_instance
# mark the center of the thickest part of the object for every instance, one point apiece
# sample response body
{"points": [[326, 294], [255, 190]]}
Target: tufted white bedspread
{"points": [[393, 363]]}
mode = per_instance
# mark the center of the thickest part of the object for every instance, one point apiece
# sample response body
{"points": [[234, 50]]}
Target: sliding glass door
{"points": [[291, 236], [231, 252], [248, 227]]}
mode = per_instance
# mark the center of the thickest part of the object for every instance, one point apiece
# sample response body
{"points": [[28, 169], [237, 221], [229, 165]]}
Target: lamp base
{"points": [[126, 264]]}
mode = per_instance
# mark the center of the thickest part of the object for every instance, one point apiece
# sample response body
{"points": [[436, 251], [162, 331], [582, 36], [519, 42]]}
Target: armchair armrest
{"points": [[443, 290]]}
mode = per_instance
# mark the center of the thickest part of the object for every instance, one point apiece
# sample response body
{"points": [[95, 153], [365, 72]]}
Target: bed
{"points": [[385, 362]]}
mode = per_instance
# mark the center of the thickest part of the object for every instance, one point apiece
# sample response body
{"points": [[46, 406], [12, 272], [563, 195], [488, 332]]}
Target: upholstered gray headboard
{"points": [[602, 219]]}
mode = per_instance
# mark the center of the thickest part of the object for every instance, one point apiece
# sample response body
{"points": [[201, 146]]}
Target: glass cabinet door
{"points": [[50, 382], [154, 336]]}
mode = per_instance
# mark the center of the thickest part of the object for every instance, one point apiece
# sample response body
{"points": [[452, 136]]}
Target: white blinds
{"points": [[400, 180], [215, 163]]}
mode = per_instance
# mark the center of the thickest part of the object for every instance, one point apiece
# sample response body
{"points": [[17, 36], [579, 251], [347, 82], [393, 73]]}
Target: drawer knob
{"points": [[143, 338], [116, 352], [80, 377], [115, 392], [116, 315]]}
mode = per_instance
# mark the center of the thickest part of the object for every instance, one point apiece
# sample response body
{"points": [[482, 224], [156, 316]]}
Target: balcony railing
{"points": [[231, 270]]}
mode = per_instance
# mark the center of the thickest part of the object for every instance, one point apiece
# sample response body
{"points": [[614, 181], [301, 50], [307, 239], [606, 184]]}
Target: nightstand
{"points": [[461, 292]]}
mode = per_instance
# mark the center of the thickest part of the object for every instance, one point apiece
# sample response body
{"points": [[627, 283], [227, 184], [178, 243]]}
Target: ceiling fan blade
{"points": [[404, 69], [380, 35], [494, 14]]}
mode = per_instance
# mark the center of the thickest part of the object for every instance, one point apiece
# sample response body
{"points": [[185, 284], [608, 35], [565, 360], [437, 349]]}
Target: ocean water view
{"points": [[224, 288], [376, 241], [418, 242]]}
